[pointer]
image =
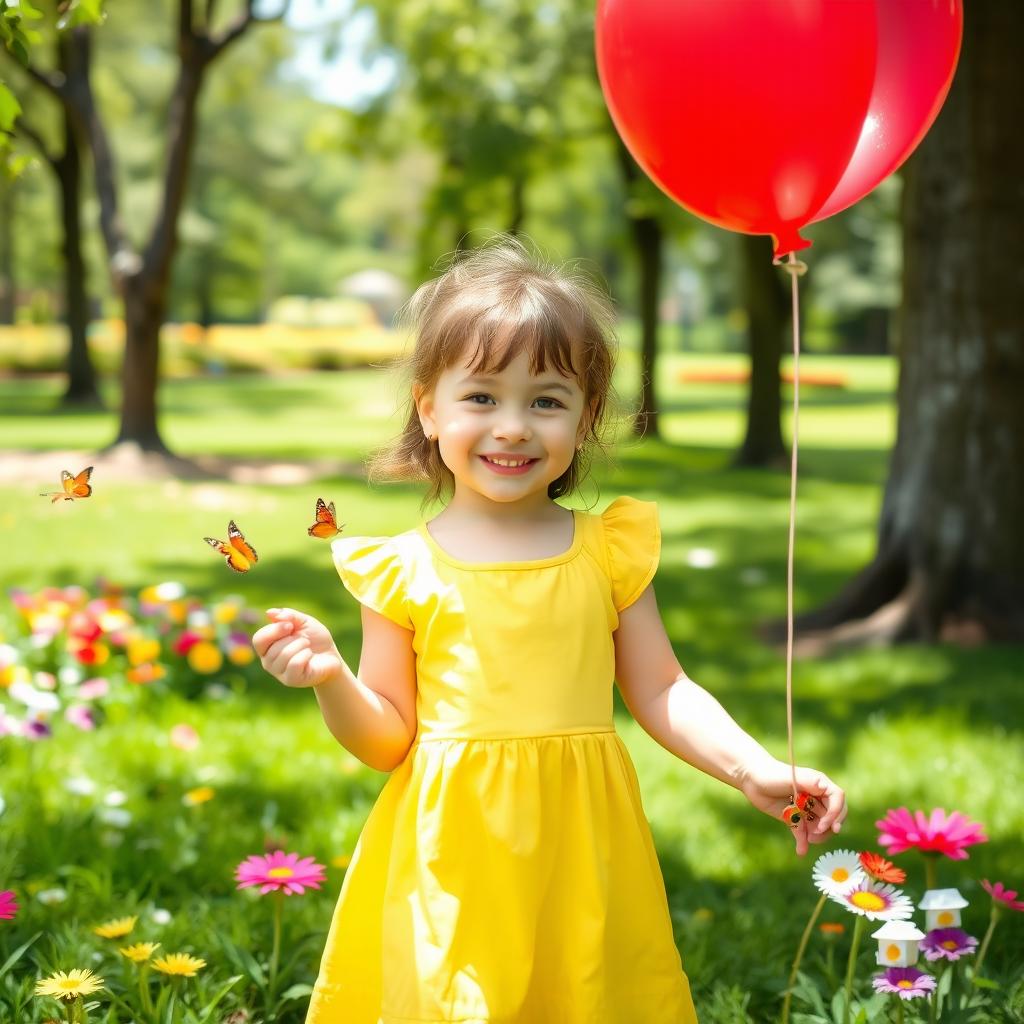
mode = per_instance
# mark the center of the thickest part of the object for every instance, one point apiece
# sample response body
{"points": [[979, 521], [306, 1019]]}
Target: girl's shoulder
{"points": [[373, 571], [629, 536]]}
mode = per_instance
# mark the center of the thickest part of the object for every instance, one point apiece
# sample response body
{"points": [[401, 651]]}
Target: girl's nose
{"points": [[512, 428]]}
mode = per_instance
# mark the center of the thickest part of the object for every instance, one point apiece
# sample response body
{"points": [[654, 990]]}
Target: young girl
{"points": [[507, 873]]}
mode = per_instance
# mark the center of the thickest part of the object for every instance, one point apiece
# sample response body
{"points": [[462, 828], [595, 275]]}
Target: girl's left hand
{"points": [[768, 785]]}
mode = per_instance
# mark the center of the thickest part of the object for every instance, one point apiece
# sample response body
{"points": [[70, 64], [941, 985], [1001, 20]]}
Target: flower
{"points": [[197, 796], [205, 657], [140, 952], [179, 964], [882, 870], [116, 929], [837, 872], [906, 982], [50, 896], [69, 986], [937, 833], [8, 905], [184, 737], [280, 871], [875, 901], [832, 928], [948, 944], [1000, 894]]}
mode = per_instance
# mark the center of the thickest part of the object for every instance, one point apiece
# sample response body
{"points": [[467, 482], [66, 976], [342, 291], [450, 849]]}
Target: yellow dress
{"points": [[506, 873]]}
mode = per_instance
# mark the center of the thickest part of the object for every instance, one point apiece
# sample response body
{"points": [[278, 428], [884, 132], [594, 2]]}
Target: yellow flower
{"points": [[205, 657], [140, 952], [239, 655], [176, 611], [115, 929], [142, 649], [225, 612], [14, 674], [343, 861], [179, 963], [114, 619], [69, 986], [199, 795]]}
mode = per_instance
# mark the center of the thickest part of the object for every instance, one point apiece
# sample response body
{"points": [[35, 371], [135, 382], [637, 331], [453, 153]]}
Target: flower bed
{"points": [[69, 654]]}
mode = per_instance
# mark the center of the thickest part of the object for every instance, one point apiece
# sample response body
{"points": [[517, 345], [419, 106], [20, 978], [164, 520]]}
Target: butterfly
{"points": [[326, 524], [240, 556], [74, 486]]}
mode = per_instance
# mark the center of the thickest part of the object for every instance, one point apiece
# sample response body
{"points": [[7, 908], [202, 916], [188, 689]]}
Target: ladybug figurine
{"points": [[804, 806]]}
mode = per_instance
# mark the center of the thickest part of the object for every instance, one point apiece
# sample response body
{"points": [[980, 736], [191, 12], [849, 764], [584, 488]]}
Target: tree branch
{"points": [[22, 127], [241, 24]]}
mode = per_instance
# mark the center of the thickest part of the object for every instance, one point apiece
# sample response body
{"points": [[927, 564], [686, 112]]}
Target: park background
{"points": [[196, 297]]}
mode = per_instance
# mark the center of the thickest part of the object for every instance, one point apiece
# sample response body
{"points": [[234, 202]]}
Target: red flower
{"points": [[936, 833], [881, 869], [186, 642]]}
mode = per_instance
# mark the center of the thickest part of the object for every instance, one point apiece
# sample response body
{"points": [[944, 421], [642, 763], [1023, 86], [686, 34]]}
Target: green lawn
{"points": [[916, 727]]}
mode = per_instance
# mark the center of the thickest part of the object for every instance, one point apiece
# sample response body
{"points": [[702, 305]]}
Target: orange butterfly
{"points": [[74, 486], [326, 524], [240, 556]]}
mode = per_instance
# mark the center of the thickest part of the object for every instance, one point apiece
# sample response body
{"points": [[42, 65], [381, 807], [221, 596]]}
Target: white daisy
{"points": [[837, 872], [876, 901]]}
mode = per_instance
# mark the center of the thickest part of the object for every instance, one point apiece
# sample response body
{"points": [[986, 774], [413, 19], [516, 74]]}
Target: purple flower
{"points": [[905, 982], [34, 729], [948, 944]]}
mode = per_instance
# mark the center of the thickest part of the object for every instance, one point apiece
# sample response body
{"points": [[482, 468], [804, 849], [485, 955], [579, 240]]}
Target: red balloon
{"points": [[746, 112], [918, 47]]}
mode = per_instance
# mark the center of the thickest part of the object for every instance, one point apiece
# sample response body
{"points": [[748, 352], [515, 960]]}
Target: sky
{"points": [[340, 79]]}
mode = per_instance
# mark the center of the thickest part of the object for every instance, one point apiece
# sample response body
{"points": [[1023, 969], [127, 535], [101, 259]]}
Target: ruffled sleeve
{"points": [[633, 545], [371, 569]]}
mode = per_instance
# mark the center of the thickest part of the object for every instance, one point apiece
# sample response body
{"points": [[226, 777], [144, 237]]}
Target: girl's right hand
{"points": [[296, 649]]}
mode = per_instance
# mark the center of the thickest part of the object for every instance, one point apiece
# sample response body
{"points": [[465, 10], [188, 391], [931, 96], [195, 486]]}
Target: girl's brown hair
{"points": [[502, 299]]}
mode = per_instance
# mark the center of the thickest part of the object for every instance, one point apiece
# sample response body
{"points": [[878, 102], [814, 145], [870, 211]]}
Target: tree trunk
{"points": [[518, 198], [82, 387], [6, 252], [143, 317], [767, 301], [950, 561], [648, 240]]}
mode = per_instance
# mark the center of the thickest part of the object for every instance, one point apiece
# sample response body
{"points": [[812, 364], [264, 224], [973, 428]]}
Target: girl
{"points": [[507, 873]]}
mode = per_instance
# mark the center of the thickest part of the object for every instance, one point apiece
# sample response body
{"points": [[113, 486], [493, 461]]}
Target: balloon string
{"points": [[795, 268]]}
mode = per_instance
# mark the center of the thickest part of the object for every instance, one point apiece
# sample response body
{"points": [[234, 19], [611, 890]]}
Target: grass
{"points": [[914, 726]]}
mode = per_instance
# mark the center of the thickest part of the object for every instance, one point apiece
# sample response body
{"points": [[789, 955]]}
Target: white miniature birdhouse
{"points": [[942, 908], [898, 943]]}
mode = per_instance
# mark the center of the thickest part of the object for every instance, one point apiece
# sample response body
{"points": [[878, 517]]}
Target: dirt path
{"points": [[128, 463]]}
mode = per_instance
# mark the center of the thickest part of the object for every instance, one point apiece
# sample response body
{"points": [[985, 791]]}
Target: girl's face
{"points": [[504, 436]]}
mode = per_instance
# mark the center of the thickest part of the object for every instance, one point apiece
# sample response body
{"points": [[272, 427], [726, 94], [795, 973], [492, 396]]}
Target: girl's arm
{"points": [[372, 715], [686, 720]]}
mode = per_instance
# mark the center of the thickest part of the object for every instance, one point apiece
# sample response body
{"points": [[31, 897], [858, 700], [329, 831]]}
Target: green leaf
{"points": [[10, 108], [298, 991], [985, 983], [16, 955], [225, 989]]}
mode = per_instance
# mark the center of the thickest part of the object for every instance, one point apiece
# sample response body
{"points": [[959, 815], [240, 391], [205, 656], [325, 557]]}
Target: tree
{"points": [[766, 298], [142, 278], [950, 557], [82, 387]]}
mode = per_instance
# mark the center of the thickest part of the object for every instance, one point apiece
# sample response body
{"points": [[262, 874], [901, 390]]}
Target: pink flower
{"points": [[184, 737], [938, 833], [93, 688], [948, 944], [280, 871], [8, 905], [81, 716], [999, 893]]}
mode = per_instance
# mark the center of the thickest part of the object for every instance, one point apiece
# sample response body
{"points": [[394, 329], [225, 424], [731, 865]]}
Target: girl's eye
{"points": [[555, 404], [473, 399]]}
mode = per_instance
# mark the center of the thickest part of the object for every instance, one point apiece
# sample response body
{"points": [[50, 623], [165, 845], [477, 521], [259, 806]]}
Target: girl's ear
{"points": [[425, 409]]}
